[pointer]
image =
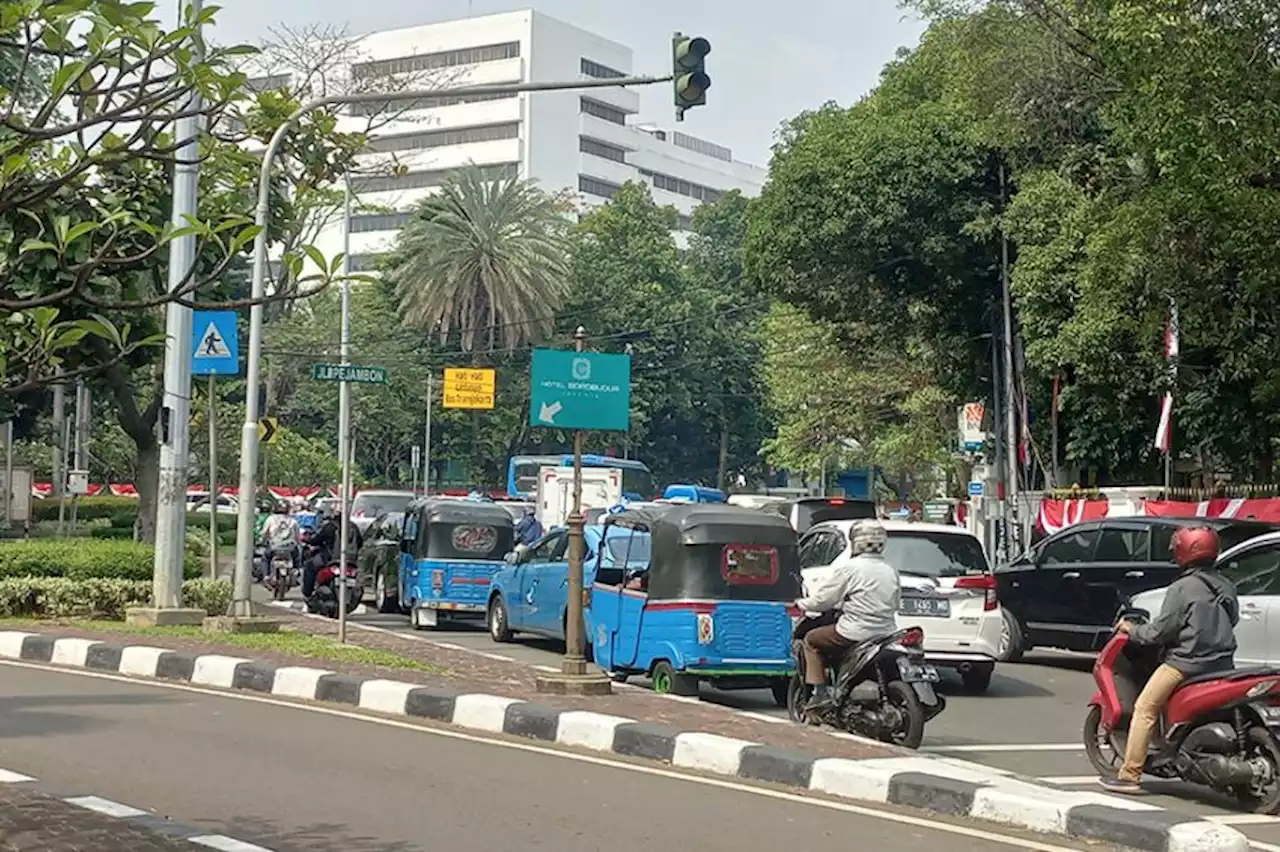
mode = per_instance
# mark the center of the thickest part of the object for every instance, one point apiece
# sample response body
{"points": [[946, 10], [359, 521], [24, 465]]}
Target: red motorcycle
{"points": [[1218, 730]]}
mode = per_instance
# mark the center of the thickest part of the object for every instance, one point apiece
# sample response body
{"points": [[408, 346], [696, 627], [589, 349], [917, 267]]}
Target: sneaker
{"points": [[1119, 785], [820, 698]]}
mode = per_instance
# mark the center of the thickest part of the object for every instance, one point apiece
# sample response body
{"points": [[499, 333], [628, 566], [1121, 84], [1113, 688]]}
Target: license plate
{"points": [[930, 607], [917, 671]]}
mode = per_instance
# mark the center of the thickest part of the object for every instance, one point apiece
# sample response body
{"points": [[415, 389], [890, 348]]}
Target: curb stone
{"points": [[949, 787]]}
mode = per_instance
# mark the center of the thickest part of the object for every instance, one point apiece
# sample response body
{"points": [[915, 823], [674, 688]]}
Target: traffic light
{"points": [[689, 72]]}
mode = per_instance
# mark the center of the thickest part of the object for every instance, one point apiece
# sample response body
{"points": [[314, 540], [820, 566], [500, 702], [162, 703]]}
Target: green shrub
{"points": [[60, 597], [84, 559], [88, 508], [125, 533]]}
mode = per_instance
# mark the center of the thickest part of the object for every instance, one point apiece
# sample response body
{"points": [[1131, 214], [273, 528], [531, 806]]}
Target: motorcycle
{"points": [[1218, 730], [324, 598], [281, 576], [883, 688]]}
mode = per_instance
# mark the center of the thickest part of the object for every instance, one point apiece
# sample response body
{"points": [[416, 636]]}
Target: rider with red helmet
{"points": [[1196, 629]]}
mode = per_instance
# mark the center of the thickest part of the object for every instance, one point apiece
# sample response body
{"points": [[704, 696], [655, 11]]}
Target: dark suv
{"points": [[1066, 591]]}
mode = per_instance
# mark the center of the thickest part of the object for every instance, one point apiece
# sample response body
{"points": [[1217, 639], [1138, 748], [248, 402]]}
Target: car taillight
{"points": [[913, 638], [986, 582]]}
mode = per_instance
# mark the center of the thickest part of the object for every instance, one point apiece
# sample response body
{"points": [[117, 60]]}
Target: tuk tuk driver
{"points": [[863, 591]]}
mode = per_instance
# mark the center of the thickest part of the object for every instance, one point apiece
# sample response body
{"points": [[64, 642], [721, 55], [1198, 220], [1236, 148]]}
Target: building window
{"points": [[368, 222], [597, 187], [379, 107], [701, 146], [269, 83], [435, 61], [604, 111], [600, 72], [604, 150], [684, 223], [680, 186], [443, 138], [363, 262], [425, 179]]}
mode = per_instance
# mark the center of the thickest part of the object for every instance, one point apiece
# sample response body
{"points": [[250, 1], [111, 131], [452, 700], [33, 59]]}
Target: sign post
{"points": [[579, 391], [215, 351]]}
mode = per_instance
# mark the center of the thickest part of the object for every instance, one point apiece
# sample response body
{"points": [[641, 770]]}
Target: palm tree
{"points": [[487, 259]]}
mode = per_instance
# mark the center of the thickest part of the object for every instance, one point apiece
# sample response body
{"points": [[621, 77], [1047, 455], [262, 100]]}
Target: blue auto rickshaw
{"points": [[713, 604], [449, 552]]}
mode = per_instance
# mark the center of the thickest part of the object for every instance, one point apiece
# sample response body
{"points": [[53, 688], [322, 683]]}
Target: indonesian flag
{"points": [[1164, 431]]}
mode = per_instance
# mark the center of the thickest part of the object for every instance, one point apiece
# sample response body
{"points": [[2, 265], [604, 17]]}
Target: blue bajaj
{"points": [[713, 603], [449, 552]]}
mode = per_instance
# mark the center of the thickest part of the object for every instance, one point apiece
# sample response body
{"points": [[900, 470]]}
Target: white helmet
{"points": [[867, 536]]}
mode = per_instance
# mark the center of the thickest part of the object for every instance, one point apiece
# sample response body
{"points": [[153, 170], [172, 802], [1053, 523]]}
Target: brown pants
{"points": [[1146, 712], [821, 644]]}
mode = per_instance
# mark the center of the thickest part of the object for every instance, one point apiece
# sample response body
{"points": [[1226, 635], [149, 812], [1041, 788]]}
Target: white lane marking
{"points": [[225, 844], [927, 823], [551, 669], [106, 806], [1265, 847], [7, 777], [1243, 819], [994, 748], [1068, 780]]}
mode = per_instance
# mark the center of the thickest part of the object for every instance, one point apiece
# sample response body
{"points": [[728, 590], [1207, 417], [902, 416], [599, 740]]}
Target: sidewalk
{"points": [[35, 822]]}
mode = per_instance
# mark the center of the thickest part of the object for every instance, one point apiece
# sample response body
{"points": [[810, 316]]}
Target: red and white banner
{"points": [[1164, 430], [1057, 515], [1266, 509]]}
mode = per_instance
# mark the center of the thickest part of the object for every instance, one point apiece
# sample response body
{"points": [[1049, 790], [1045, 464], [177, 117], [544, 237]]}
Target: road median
{"points": [[479, 694]]}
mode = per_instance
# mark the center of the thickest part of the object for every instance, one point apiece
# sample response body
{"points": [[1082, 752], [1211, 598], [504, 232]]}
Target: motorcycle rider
{"points": [[281, 534], [1196, 628], [863, 590], [325, 542]]}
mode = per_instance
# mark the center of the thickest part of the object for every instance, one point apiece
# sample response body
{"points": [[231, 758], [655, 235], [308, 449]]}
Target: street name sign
{"points": [[469, 387], [349, 373], [215, 344], [580, 390]]}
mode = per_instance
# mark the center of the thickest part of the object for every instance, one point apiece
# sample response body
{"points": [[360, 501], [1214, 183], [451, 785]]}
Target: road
{"points": [[1028, 722], [296, 780]]}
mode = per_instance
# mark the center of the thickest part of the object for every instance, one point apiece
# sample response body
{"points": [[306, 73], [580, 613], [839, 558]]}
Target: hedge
{"points": [[84, 559], [87, 508], [59, 597]]}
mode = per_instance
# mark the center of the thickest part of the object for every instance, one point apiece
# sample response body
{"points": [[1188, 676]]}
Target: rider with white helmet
{"points": [[862, 590]]}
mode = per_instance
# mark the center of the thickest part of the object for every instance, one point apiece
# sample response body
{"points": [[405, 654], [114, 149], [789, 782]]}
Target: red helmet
{"points": [[1195, 546]]}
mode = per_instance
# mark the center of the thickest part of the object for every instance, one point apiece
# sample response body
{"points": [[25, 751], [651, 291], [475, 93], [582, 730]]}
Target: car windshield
{"points": [[810, 513], [372, 505], [616, 549], [925, 554]]}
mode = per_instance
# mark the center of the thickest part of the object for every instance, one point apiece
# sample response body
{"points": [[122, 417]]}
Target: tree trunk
{"points": [[140, 426], [722, 469], [148, 485]]}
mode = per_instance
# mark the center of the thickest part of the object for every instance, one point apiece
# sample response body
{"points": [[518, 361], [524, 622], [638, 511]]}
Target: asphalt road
{"points": [[293, 779], [1029, 721]]}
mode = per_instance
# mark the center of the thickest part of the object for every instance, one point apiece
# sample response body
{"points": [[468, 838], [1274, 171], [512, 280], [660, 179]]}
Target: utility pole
{"points": [[1001, 519], [344, 414], [8, 473], [83, 422], [426, 436], [1013, 531], [59, 449], [241, 605], [175, 411]]}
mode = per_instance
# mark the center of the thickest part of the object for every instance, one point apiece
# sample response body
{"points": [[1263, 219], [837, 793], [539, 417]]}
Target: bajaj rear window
{"points": [[749, 565]]}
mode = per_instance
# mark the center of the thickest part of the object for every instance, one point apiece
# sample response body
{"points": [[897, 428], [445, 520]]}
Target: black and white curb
{"points": [[137, 817], [940, 785]]}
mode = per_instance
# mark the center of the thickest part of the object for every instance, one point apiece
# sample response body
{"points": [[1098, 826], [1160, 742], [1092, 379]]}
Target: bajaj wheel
{"points": [[1098, 745], [499, 625], [977, 679], [781, 689], [666, 681], [910, 729], [1262, 797]]}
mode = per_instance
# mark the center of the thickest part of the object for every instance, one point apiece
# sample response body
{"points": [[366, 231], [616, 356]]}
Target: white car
{"points": [[1254, 566], [227, 505], [948, 590]]}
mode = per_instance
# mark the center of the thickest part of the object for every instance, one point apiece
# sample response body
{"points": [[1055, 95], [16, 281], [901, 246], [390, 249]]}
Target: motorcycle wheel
{"points": [[797, 697], [1262, 799], [911, 732], [1094, 739], [280, 588]]}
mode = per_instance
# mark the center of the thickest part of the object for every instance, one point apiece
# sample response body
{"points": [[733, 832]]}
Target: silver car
{"points": [[368, 505]]}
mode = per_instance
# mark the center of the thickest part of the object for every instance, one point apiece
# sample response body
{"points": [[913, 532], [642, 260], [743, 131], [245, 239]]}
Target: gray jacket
{"points": [[1196, 624], [865, 591]]}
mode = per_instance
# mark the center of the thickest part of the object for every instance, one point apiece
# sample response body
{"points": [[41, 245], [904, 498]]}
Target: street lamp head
{"points": [[581, 332]]}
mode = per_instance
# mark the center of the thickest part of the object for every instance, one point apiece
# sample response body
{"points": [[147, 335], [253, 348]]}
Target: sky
{"points": [[770, 59]]}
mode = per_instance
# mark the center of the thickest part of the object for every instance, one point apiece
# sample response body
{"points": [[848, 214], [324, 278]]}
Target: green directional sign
{"points": [[349, 373], [580, 390]]}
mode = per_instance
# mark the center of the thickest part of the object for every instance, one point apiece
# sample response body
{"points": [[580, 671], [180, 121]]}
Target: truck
{"points": [[601, 489]]}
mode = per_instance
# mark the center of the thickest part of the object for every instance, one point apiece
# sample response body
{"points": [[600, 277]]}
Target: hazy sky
{"points": [[770, 59]]}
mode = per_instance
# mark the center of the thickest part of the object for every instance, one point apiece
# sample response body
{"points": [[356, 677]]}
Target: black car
{"points": [[379, 561], [1066, 590]]}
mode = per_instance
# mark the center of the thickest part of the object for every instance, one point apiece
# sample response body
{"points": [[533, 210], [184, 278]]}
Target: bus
{"points": [[522, 474]]}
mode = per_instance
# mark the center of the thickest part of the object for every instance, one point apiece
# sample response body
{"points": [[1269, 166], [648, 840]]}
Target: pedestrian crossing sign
{"points": [[214, 344]]}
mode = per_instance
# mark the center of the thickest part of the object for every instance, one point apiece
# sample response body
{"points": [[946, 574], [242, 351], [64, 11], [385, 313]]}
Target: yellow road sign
{"points": [[268, 429], [470, 387]]}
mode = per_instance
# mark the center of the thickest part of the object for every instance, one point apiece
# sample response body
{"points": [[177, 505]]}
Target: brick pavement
{"points": [[35, 822]]}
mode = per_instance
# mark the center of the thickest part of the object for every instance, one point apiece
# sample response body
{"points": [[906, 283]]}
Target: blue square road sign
{"points": [[580, 390], [977, 489], [215, 344]]}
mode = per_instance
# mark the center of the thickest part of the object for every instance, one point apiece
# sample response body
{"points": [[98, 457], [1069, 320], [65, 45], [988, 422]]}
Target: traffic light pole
{"points": [[241, 604]]}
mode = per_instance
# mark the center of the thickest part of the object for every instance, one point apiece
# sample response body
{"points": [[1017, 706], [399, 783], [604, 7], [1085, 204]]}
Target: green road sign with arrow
{"points": [[580, 390]]}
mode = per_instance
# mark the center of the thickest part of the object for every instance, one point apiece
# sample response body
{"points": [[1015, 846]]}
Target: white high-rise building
{"points": [[589, 142]]}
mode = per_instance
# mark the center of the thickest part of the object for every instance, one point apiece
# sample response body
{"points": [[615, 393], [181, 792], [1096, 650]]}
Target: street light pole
{"points": [[344, 388], [175, 412], [241, 605], [575, 665]]}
